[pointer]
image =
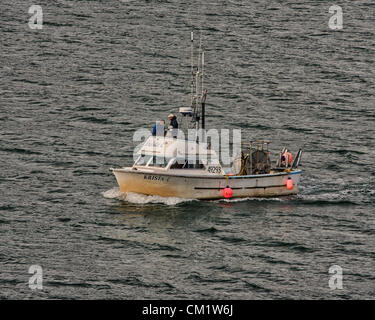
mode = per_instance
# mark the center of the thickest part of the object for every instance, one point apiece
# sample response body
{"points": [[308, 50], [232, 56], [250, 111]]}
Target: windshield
{"points": [[143, 159], [187, 164], [160, 162]]}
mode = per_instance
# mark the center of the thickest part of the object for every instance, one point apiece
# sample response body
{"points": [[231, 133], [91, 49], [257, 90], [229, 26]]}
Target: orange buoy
{"points": [[289, 184], [227, 192]]}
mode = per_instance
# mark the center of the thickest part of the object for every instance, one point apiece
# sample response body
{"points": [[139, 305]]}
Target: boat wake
{"points": [[268, 199], [138, 198]]}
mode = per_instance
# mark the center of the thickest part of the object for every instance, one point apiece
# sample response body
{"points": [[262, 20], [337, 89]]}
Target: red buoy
{"points": [[227, 192], [289, 184]]}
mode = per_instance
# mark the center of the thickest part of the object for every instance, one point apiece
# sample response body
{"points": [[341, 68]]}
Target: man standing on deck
{"points": [[158, 129], [173, 121], [173, 125]]}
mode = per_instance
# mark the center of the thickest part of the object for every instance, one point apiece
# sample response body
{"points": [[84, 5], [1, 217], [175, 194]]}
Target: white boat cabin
{"points": [[178, 156]]}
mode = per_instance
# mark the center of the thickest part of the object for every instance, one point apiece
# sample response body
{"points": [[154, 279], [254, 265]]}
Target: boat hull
{"points": [[205, 187]]}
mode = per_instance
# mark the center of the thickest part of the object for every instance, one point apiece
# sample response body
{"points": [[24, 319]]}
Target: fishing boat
{"points": [[170, 166]]}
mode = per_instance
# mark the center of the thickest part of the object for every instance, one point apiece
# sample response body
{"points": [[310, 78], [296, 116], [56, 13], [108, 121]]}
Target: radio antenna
{"points": [[192, 67]]}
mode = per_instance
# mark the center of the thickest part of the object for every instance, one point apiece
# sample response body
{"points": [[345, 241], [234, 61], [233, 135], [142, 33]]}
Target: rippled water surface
{"points": [[73, 93]]}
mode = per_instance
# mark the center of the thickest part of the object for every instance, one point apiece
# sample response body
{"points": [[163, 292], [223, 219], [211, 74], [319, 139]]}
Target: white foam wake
{"points": [[138, 198], [113, 193], [250, 199]]}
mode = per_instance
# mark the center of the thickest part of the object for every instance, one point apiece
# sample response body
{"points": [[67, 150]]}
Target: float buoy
{"points": [[227, 192], [289, 183]]}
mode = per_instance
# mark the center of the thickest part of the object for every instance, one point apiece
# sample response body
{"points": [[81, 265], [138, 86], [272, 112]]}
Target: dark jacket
{"points": [[174, 123]]}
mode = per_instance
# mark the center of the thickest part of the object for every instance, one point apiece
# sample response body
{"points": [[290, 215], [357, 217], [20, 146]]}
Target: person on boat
{"points": [[173, 125], [287, 156], [173, 121], [159, 129]]}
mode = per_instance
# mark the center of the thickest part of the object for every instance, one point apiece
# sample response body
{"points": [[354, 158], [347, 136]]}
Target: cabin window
{"points": [[187, 164], [178, 164], [160, 162], [143, 159], [197, 164], [209, 160]]}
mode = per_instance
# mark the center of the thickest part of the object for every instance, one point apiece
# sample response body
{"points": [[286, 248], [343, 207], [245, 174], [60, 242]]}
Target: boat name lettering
{"points": [[154, 178]]}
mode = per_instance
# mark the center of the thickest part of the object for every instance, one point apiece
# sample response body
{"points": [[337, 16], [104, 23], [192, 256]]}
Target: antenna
{"points": [[199, 64], [199, 96], [197, 79], [202, 71], [192, 66], [203, 94]]}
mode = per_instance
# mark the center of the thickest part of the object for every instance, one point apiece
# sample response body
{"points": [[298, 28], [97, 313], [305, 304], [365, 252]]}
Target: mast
{"points": [[203, 97], [202, 70], [203, 102], [197, 96], [197, 80], [192, 67]]}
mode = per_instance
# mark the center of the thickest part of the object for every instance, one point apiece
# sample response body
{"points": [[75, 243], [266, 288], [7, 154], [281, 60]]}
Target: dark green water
{"points": [[73, 93]]}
